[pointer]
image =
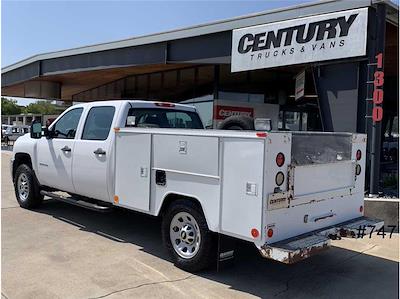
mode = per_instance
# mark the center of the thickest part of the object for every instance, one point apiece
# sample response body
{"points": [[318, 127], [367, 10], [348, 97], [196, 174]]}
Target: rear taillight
{"points": [[270, 233], [358, 155], [165, 105], [358, 169], [255, 233], [261, 134], [279, 178], [280, 159], [361, 209]]}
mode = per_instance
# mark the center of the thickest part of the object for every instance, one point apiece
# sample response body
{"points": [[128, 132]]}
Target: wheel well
{"points": [[21, 158], [170, 198]]}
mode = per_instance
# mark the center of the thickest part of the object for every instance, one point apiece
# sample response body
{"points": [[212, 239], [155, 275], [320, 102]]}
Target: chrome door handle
{"points": [[66, 149], [99, 151]]}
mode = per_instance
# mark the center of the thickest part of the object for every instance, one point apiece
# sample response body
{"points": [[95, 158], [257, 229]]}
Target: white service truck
{"points": [[289, 193]]}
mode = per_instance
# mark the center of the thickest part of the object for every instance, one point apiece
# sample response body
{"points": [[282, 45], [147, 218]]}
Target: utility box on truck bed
{"points": [[256, 186]]}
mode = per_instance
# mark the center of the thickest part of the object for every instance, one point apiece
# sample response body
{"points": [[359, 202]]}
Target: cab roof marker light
{"points": [[116, 129]]}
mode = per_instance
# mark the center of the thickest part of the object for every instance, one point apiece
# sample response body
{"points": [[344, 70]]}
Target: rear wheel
{"points": [[187, 237], [26, 187]]}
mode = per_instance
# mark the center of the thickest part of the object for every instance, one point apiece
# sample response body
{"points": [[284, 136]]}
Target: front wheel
{"points": [[187, 237], [26, 188]]}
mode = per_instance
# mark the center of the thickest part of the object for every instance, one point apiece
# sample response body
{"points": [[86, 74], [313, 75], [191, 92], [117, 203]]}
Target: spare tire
{"points": [[237, 122]]}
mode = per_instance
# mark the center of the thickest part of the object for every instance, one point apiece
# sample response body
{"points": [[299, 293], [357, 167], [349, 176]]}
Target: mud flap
{"points": [[294, 249], [225, 252]]}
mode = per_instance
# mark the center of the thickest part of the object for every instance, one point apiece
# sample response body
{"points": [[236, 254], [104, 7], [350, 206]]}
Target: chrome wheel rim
{"points": [[23, 187], [185, 235]]}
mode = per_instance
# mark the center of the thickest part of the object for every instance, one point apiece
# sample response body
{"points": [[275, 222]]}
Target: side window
{"points": [[65, 127], [179, 120], [98, 123]]}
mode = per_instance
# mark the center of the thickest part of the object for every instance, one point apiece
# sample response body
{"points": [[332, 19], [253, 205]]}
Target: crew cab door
{"points": [[55, 155], [92, 154]]}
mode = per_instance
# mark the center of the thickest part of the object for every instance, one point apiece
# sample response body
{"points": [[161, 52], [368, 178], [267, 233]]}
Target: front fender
{"points": [[26, 145]]}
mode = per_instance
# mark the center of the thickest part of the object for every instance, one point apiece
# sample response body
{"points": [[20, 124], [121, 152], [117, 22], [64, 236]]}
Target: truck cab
{"points": [[74, 156]]}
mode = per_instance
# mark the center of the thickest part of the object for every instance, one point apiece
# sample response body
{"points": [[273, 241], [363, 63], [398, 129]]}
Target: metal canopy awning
{"points": [[75, 70]]}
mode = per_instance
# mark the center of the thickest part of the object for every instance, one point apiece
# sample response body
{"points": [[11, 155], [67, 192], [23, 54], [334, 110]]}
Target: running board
{"points": [[298, 248], [77, 202]]}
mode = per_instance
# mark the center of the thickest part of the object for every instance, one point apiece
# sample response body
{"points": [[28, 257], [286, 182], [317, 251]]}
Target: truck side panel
{"points": [[242, 189], [132, 160], [191, 167]]}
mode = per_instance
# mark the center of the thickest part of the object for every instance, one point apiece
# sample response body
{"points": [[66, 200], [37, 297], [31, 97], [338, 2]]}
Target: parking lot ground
{"points": [[62, 251]]}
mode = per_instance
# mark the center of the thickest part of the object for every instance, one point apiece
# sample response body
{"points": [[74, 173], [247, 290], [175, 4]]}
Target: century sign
{"points": [[323, 37]]}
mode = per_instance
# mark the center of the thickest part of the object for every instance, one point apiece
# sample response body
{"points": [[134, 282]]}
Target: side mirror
{"points": [[263, 124], [36, 130]]}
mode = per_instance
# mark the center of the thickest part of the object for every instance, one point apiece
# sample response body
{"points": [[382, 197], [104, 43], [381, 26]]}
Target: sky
{"points": [[34, 27]]}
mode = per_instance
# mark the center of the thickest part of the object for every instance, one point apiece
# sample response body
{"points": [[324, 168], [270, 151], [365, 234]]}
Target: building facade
{"points": [[335, 68]]}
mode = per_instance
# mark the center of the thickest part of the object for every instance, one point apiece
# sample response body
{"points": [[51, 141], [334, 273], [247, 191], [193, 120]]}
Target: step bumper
{"points": [[298, 248]]}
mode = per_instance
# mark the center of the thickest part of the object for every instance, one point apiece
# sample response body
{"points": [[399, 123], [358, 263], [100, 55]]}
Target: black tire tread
{"points": [[35, 199], [206, 254], [244, 122]]}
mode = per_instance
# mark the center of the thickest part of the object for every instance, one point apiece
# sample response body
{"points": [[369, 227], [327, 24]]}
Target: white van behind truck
{"points": [[289, 193]]}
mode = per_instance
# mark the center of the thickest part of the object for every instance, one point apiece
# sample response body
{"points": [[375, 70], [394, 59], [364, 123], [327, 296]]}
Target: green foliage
{"points": [[9, 107], [41, 107]]}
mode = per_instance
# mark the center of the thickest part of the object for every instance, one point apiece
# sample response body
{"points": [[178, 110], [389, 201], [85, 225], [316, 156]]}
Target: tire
{"points": [[26, 188], [237, 123], [204, 242]]}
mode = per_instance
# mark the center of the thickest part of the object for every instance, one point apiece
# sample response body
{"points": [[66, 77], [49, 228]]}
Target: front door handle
{"points": [[99, 151], [66, 149]]}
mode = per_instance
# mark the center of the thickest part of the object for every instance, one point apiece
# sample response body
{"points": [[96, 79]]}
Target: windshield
{"points": [[163, 118]]}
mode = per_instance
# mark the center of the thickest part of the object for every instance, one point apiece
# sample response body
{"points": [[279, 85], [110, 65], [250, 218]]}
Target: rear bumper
{"points": [[298, 248]]}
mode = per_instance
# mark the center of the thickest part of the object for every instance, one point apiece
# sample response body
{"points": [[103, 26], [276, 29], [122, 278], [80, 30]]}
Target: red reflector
{"points": [[361, 209], [261, 134], [358, 155], [255, 233], [165, 105], [270, 233], [280, 159]]}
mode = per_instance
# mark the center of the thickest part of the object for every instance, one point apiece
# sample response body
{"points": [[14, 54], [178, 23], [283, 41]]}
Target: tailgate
{"points": [[323, 185]]}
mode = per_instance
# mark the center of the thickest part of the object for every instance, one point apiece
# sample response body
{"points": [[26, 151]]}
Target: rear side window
{"points": [[98, 123], [163, 118]]}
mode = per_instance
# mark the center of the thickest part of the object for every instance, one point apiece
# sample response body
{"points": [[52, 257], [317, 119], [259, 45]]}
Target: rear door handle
{"points": [[99, 151], [66, 149]]}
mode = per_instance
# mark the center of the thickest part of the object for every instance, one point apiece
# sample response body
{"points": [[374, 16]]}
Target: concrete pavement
{"points": [[62, 251]]}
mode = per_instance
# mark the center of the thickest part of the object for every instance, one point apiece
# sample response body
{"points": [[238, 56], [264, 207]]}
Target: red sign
{"points": [[379, 75], [222, 112]]}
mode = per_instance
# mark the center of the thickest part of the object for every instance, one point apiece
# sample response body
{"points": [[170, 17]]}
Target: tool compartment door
{"points": [[242, 187], [132, 170]]}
